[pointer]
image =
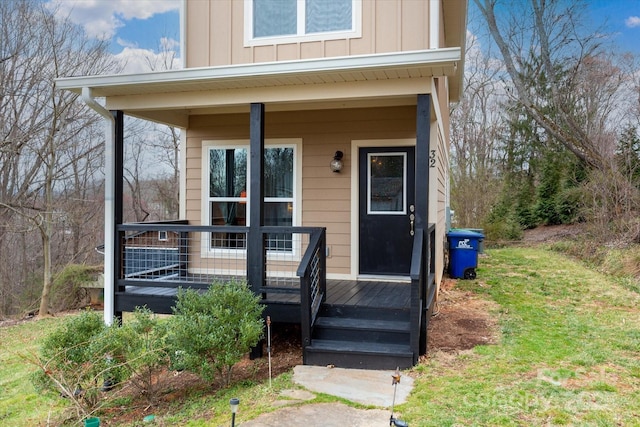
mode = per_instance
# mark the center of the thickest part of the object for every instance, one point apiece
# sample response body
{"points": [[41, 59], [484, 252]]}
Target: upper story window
{"points": [[286, 21]]}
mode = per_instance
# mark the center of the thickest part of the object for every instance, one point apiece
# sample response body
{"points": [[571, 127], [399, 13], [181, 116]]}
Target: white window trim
{"points": [[296, 143], [301, 36], [404, 183]]}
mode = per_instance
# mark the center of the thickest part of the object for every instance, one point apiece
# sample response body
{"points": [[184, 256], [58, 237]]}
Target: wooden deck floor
{"points": [[361, 293], [368, 293]]}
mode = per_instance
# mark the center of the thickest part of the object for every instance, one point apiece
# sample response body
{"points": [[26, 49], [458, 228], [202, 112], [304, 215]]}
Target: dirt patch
{"points": [[552, 233], [461, 321], [286, 352]]}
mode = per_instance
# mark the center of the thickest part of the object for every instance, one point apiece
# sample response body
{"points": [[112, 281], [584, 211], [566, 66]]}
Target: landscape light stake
{"points": [[269, 346], [396, 380], [234, 402]]}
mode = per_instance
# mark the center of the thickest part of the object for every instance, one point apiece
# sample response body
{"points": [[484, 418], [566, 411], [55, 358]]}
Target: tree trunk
{"points": [[47, 279]]}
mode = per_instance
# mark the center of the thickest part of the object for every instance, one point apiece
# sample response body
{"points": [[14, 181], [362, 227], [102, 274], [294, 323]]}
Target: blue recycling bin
{"points": [[464, 246], [481, 243]]}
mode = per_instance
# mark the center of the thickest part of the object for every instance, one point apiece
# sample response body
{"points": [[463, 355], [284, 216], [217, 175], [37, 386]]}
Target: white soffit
{"points": [[398, 65]]}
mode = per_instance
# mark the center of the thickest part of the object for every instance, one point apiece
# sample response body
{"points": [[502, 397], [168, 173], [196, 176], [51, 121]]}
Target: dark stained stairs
{"points": [[360, 337]]}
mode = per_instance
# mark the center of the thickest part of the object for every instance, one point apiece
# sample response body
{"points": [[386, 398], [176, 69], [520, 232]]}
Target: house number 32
{"points": [[432, 158]]}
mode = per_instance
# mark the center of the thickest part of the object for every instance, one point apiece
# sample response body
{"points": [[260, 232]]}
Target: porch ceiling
{"points": [[171, 96]]}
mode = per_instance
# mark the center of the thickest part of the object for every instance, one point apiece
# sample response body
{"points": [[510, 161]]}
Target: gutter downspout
{"points": [[109, 204]]}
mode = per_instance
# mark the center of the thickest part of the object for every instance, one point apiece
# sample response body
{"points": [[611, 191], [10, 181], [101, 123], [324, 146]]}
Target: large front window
{"points": [[278, 195], [228, 194], [295, 20], [228, 201]]}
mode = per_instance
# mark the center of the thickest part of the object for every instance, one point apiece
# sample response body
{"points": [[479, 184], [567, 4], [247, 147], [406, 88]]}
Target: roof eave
{"points": [[101, 85]]}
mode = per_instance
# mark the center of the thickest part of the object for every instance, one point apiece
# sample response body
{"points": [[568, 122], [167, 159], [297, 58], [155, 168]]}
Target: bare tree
{"points": [[81, 198], [547, 41], [477, 128], [167, 140], [38, 123], [167, 185], [135, 164], [152, 154], [566, 82]]}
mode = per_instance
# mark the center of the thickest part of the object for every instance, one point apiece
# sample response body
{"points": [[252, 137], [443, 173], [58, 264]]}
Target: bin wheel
{"points": [[470, 274]]}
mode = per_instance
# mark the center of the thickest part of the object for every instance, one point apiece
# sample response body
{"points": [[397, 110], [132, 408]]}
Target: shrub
{"points": [[66, 289], [73, 363], [84, 357], [139, 349], [213, 330], [507, 229]]}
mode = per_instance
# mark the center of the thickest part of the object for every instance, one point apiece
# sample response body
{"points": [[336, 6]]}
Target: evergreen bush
{"points": [[67, 291], [73, 361], [138, 352], [213, 330]]}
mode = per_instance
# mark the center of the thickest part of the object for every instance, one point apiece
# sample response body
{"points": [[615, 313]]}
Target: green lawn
{"points": [[20, 403], [568, 354]]}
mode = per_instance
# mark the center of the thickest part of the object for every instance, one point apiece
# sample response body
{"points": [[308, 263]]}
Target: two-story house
{"points": [[314, 163]]}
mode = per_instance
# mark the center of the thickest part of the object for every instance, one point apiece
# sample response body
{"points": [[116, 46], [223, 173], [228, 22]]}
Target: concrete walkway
{"points": [[370, 388]]}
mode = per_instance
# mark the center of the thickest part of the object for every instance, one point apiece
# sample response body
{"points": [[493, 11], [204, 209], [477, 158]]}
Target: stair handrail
{"points": [[418, 291], [313, 282]]}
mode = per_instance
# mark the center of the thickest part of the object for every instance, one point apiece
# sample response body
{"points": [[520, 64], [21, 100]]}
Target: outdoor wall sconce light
{"points": [[234, 402], [336, 163]]}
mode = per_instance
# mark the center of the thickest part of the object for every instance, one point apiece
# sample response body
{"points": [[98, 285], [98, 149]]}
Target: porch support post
{"points": [[255, 241], [420, 290], [423, 133], [113, 149], [118, 175]]}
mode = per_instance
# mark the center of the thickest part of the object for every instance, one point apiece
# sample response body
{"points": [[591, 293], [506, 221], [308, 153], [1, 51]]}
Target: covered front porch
{"points": [[376, 323], [350, 323]]}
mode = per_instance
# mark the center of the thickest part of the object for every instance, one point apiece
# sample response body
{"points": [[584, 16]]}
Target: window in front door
{"points": [[386, 183]]}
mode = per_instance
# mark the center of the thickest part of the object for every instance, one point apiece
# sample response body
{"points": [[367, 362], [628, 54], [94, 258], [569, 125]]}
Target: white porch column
{"points": [[109, 203]]}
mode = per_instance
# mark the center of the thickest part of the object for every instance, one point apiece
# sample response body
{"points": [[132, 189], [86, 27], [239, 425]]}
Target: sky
{"points": [[618, 18], [138, 28], [622, 18]]}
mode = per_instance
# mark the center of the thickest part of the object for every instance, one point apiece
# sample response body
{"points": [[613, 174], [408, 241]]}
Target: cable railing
{"points": [[173, 255], [313, 283]]}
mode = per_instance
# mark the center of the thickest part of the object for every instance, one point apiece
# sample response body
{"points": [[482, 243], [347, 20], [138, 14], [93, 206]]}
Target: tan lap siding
{"points": [[326, 194]]}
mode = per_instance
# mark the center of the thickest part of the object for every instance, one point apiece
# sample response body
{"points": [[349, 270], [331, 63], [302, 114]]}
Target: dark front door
{"points": [[387, 182]]}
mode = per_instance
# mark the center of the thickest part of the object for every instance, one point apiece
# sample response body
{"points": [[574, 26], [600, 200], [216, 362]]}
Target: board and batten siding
{"points": [[326, 195], [215, 34]]}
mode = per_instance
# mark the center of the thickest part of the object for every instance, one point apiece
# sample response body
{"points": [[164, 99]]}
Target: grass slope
{"points": [[569, 352], [20, 403]]}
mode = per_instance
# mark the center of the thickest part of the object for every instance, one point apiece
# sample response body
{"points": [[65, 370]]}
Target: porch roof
{"points": [[171, 96]]}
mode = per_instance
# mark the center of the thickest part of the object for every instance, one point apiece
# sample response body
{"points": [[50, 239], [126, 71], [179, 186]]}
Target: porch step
{"points": [[377, 313], [362, 330], [360, 337], [358, 355]]}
